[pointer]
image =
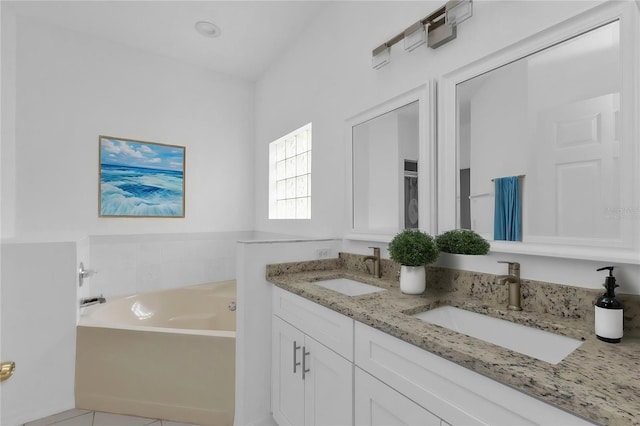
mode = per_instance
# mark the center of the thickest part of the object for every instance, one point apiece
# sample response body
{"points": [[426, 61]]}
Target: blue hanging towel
{"points": [[507, 223]]}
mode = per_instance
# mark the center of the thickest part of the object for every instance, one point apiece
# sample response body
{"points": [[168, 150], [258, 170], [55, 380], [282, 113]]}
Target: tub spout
{"points": [[88, 301]]}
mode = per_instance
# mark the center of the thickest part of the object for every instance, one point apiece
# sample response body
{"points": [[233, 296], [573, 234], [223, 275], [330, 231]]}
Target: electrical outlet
{"points": [[323, 253]]}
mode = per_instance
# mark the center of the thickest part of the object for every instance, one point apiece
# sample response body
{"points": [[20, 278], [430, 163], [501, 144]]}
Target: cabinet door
{"points": [[328, 386], [328, 327], [376, 404], [287, 386]]}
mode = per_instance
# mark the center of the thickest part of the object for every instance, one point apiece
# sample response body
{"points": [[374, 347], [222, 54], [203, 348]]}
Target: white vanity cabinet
{"points": [[358, 373], [312, 380]]}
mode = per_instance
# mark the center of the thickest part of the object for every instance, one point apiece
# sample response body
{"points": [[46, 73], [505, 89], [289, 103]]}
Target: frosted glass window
{"points": [[290, 147], [301, 186], [280, 152], [301, 164], [281, 190], [291, 188], [301, 140], [291, 167], [280, 170], [290, 175]]}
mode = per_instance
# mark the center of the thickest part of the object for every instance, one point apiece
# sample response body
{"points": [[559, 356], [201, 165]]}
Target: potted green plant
{"points": [[462, 241], [413, 249]]}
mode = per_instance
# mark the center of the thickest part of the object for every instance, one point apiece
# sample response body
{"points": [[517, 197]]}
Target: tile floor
{"points": [[77, 417]]}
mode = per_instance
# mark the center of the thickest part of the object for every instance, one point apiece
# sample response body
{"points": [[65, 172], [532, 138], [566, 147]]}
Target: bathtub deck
{"points": [[93, 418]]}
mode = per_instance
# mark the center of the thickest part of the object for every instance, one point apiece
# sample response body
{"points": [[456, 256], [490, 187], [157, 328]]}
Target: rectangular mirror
{"points": [[388, 161], [382, 197], [559, 121]]}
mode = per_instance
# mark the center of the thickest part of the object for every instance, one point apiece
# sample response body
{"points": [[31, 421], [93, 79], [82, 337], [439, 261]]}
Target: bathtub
{"points": [[165, 355]]}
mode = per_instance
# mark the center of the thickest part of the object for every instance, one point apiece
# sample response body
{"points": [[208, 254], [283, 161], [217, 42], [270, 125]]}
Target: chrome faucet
{"points": [[376, 261], [88, 301], [513, 279], [84, 273]]}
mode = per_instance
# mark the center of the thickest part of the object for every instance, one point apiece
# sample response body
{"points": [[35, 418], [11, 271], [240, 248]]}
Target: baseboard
{"points": [[265, 421]]}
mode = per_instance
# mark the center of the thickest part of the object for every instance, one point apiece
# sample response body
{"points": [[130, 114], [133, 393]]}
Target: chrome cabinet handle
{"points": [[305, 370], [295, 352]]}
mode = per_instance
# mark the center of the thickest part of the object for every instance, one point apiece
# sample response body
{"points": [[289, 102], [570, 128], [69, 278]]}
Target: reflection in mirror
{"points": [[553, 119], [385, 171]]}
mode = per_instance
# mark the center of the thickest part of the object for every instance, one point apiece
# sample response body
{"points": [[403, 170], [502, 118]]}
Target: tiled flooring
{"points": [[90, 418]]}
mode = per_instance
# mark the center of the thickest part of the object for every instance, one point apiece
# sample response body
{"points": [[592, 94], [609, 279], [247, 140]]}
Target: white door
{"points": [[328, 386], [38, 315], [576, 159], [287, 386], [377, 404]]}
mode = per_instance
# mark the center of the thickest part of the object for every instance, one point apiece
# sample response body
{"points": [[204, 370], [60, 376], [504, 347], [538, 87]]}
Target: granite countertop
{"points": [[598, 381]]}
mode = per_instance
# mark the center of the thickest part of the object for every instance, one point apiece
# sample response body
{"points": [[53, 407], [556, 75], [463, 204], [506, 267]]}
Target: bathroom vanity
{"points": [[367, 359]]}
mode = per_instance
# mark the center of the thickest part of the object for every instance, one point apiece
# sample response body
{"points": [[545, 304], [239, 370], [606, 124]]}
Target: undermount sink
{"points": [[539, 344], [348, 287]]}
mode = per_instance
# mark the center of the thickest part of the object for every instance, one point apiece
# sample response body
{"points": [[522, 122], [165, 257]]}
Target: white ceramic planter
{"points": [[412, 279]]}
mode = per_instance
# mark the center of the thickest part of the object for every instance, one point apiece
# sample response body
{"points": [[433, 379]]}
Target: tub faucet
{"points": [[376, 261], [88, 301], [513, 279]]}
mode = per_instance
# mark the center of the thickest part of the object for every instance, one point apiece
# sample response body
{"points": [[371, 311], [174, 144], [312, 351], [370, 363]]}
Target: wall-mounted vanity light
{"points": [[458, 11], [434, 30], [381, 56], [415, 36]]}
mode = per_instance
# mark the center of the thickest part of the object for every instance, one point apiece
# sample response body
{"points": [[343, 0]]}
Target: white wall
{"points": [[128, 264], [70, 88], [326, 77]]}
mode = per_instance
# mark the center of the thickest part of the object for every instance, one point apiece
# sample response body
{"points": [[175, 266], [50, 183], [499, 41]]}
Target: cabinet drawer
{"points": [[328, 327], [378, 404], [451, 392]]}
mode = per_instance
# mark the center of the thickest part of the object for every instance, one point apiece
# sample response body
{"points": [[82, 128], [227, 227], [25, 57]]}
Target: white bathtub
{"points": [[167, 354]]}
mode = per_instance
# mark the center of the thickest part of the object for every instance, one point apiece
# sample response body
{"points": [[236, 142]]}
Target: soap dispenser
{"points": [[609, 311]]}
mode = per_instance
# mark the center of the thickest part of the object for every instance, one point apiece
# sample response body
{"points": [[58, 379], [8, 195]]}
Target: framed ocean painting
{"points": [[140, 179]]}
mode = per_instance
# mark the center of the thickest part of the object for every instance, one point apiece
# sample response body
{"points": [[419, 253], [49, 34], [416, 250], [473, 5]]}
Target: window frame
{"points": [[290, 188]]}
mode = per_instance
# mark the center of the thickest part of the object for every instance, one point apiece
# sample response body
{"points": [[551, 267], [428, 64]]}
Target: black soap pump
{"points": [[609, 311]]}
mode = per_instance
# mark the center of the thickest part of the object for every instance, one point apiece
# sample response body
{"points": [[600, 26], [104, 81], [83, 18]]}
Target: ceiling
{"points": [[253, 33]]}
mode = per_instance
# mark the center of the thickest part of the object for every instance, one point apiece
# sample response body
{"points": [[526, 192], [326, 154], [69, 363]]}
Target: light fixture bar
{"points": [[439, 26], [437, 15]]}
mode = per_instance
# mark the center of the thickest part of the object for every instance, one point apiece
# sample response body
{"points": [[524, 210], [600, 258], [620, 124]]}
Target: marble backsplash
{"points": [[542, 297]]}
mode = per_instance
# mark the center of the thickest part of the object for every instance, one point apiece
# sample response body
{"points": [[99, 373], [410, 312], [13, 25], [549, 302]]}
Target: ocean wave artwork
{"points": [[143, 179]]}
